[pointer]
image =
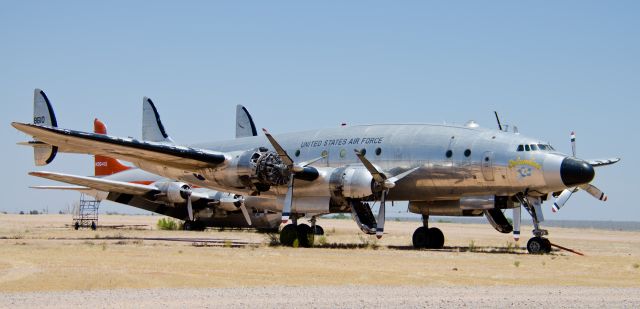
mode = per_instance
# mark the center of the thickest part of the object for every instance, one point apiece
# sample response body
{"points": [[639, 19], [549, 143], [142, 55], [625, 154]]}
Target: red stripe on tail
{"points": [[105, 166]]}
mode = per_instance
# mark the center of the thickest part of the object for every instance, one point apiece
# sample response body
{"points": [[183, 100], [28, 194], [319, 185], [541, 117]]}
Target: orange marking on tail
{"points": [[104, 165]]}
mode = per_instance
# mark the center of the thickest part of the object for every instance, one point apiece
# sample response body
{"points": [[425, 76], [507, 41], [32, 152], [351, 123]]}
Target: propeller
{"points": [[238, 202], [564, 196], [294, 168], [186, 192], [383, 182]]}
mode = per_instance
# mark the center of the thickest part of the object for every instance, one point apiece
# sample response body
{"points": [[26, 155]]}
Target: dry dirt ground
{"points": [[44, 263]]}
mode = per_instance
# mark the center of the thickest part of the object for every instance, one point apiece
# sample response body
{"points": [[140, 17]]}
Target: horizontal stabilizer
{"points": [[98, 183], [128, 149]]}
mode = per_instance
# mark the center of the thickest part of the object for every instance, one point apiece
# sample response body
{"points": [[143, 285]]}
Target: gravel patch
{"points": [[333, 297]]}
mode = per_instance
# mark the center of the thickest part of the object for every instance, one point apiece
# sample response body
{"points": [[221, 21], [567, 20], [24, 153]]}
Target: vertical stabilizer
{"points": [[43, 115], [244, 123], [152, 128], [105, 166]]}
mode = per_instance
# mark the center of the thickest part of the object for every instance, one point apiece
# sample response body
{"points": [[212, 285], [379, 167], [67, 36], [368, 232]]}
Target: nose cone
{"points": [[576, 172]]}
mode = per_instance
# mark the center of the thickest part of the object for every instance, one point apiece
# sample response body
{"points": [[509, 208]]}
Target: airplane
{"points": [[198, 207], [441, 170]]}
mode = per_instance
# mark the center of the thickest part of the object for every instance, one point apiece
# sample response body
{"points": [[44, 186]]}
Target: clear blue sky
{"points": [[548, 66]]}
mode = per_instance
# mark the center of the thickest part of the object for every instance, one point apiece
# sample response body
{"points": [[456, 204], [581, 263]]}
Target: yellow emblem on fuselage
{"points": [[519, 161]]}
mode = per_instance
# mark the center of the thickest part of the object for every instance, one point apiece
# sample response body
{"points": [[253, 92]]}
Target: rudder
{"points": [[105, 166]]}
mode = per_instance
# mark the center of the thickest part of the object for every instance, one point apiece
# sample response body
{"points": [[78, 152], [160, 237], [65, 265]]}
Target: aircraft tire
{"points": [[547, 245], [319, 230], [93, 225], [420, 237], [305, 235], [288, 235], [76, 226], [435, 238], [188, 225], [538, 245]]}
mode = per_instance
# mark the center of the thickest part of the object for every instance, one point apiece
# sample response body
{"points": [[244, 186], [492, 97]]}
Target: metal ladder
{"points": [[87, 213]]}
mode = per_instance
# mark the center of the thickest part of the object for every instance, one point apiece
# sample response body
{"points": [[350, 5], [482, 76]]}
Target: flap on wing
{"points": [[98, 183], [128, 149], [603, 162]]}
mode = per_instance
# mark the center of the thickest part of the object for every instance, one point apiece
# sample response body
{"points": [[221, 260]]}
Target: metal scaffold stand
{"points": [[86, 215]]}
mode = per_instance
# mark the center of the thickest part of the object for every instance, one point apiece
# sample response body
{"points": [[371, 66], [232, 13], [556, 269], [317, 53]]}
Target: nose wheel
{"points": [[538, 245]]}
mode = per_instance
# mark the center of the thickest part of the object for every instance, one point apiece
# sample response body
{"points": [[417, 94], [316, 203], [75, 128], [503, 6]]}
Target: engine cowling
{"points": [[351, 182], [175, 192]]}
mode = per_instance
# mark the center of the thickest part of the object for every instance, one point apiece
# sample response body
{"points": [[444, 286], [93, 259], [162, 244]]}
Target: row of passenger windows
{"points": [[535, 147], [343, 152]]}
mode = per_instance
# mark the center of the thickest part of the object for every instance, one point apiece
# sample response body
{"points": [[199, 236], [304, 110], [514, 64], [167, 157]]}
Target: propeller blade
{"points": [[381, 215], [298, 167], [573, 143], [562, 199], [245, 213], [377, 175], [288, 200], [517, 212], [595, 192], [286, 159], [189, 208]]}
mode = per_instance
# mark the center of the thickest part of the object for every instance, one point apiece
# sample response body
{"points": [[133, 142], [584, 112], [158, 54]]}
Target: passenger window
{"points": [[534, 147], [527, 148], [520, 148]]}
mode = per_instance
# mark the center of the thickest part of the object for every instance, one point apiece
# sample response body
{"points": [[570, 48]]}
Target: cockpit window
{"points": [[534, 147], [527, 148], [542, 147], [520, 148]]}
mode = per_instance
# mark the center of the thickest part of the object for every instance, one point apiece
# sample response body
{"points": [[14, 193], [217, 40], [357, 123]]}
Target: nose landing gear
{"points": [[537, 244]]}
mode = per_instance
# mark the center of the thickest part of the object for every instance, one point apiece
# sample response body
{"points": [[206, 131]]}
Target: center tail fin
{"points": [[152, 127], [105, 166]]}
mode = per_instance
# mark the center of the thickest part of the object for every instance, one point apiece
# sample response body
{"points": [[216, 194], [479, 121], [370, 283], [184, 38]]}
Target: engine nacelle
{"points": [[465, 206], [351, 182], [175, 192], [258, 169]]}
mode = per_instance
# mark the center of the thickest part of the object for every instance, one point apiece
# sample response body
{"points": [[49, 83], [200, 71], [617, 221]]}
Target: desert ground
{"points": [[45, 263]]}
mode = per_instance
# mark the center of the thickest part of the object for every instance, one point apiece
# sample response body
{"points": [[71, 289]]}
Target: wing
{"points": [[597, 163], [98, 183], [186, 158], [69, 188]]}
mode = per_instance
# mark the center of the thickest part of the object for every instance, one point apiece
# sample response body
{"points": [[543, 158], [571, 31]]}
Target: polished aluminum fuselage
{"points": [[483, 162]]}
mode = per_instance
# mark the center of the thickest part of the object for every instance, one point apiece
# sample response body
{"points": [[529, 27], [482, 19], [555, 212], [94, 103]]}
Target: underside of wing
{"points": [[99, 184], [128, 149]]}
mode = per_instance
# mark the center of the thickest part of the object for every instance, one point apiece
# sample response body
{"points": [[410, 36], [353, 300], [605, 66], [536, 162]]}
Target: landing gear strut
{"points": [[425, 237], [537, 244]]}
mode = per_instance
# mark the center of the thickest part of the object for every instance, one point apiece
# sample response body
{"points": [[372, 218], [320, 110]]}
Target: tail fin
{"points": [[152, 128], [105, 166], [43, 115], [244, 123]]}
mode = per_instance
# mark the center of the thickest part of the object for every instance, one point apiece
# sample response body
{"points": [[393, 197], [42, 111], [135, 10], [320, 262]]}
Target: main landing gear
{"points": [[425, 237], [300, 235]]}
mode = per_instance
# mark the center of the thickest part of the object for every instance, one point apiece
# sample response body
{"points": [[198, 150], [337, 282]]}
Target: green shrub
{"points": [[168, 224]]}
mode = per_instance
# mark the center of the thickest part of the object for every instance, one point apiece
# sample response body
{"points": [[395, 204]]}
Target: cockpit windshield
{"points": [[535, 147]]}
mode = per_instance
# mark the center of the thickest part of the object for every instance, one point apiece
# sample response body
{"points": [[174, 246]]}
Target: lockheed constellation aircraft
{"points": [[441, 170]]}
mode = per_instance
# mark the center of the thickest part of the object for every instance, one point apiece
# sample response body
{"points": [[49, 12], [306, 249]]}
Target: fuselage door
{"points": [[487, 166]]}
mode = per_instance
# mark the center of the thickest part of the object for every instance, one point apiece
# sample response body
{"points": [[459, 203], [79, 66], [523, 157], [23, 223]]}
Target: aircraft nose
{"points": [[576, 172]]}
